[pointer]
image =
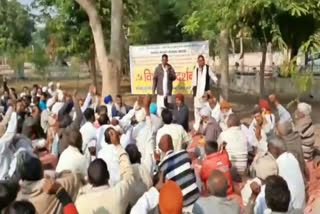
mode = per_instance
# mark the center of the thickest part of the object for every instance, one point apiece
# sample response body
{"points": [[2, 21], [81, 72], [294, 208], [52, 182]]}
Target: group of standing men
{"points": [[163, 79]]}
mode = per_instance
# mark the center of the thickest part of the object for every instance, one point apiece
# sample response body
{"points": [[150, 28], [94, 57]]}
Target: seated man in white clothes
{"points": [[89, 135], [257, 132], [236, 145], [179, 136], [225, 111], [72, 158], [289, 169]]}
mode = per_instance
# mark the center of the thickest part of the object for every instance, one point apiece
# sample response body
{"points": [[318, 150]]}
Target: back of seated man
{"points": [[278, 196], [217, 202], [215, 161]]}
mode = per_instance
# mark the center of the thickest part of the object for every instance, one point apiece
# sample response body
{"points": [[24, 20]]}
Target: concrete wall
{"points": [[284, 86]]}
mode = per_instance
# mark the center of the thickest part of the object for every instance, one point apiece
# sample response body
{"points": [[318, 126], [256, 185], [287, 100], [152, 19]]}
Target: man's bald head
{"points": [[218, 184], [166, 143], [233, 120]]}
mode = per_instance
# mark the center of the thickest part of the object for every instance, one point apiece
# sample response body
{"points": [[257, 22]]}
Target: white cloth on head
{"points": [[305, 108], [289, 170], [205, 112]]}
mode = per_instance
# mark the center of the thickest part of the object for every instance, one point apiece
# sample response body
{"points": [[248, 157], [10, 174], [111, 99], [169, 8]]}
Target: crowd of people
{"points": [[63, 154]]}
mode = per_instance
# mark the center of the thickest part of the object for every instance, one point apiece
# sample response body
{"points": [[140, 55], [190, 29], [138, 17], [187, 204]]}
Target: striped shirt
{"points": [[307, 133], [176, 166]]}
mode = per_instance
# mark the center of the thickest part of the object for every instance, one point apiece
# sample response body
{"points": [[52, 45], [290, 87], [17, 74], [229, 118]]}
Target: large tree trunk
{"points": [[224, 63], [262, 68], [116, 37], [93, 68], [109, 70], [241, 58], [233, 46]]}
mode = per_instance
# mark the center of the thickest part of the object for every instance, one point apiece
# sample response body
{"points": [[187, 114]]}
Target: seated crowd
{"points": [[62, 154]]}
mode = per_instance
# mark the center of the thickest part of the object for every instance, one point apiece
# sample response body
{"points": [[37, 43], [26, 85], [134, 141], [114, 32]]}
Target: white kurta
{"points": [[6, 154], [72, 159], [109, 154], [200, 82], [89, 139], [177, 133], [289, 170]]}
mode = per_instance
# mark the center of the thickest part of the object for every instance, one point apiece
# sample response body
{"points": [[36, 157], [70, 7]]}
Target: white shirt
{"points": [[216, 112], [289, 170], [177, 133], [6, 155], [109, 154], [237, 147], [146, 145], [89, 139], [147, 202], [224, 119], [72, 159], [165, 80]]}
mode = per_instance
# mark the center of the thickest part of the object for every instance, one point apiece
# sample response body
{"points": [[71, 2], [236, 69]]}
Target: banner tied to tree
{"points": [[182, 56]]}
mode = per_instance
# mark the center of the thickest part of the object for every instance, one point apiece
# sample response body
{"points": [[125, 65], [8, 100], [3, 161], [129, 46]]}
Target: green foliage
{"points": [[41, 61], [75, 64], [16, 26], [156, 21], [69, 28]]}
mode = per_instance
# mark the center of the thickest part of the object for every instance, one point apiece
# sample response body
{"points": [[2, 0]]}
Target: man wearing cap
{"points": [[200, 85], [209, 127], [180, 111], [225, 111], [263, 166], [306, 129], [156, 121], [163, 77]]}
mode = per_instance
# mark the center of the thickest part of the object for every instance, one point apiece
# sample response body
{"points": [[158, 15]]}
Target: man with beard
{"points": [[209, 127]]}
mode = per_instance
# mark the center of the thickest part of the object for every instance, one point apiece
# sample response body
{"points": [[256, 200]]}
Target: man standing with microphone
{"points": [[163, 77], [200, 85]]}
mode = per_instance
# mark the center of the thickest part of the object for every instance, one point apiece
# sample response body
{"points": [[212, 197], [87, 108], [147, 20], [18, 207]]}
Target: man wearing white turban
{"points": [[209, 127], [306, 129]]}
